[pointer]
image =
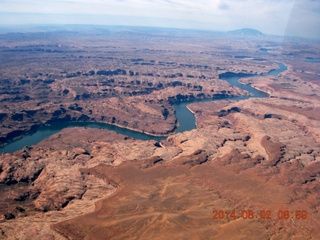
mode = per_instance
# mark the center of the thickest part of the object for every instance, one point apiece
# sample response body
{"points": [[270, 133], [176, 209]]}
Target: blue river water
{"points": [[185, 118]]}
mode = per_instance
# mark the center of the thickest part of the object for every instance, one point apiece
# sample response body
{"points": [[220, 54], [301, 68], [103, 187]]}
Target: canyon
{"points": [[256, 154]]}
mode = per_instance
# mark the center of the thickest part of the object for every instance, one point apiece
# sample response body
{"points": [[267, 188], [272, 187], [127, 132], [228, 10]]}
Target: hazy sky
{"points": [[280, 17]]}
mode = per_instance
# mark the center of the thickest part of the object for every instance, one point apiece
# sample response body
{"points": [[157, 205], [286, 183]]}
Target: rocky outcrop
{"points": [[229, 162], [197, 158], [275, 151], [251, 156]]}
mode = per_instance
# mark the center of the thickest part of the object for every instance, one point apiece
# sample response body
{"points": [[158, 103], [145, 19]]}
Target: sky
{"points": [[278, 17]]}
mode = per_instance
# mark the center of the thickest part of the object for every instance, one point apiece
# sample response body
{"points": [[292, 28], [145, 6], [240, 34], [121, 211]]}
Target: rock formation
{"points": [[250, 170]]}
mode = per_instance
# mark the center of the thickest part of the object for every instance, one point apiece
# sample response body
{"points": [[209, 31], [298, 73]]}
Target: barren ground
{"points": [[259, 156]]}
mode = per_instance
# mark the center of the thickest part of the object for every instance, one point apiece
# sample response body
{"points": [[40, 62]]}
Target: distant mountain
{"points": [[246, 32]]}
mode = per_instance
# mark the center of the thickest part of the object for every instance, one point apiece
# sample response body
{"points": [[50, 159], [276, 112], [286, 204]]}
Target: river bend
{"points": [[185, 118]]}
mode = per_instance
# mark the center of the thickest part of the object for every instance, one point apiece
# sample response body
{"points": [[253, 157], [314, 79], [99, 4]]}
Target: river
{"points": [[185, 118]]}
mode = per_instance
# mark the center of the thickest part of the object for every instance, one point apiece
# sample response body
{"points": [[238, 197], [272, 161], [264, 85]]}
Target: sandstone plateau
{"points": [[260, 155]]}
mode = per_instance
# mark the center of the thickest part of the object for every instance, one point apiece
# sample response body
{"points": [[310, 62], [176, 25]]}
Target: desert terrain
{"points": [[249, 170]]}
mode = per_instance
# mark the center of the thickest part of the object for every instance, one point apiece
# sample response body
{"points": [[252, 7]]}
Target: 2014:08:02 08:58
{"points": [[262, 214]]}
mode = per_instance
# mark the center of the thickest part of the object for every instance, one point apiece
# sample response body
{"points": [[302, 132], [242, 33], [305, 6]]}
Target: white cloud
{"points": [[270, 16]]}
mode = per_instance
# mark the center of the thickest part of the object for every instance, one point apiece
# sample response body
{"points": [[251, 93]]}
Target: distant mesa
{"points": [[246, 32]]}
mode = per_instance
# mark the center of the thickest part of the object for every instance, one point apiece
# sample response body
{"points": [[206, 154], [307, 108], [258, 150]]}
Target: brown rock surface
{"points": [[178, 202], [173, 190], [135, 88], [256, 155]]}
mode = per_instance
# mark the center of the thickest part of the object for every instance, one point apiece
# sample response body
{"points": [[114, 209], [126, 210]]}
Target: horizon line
{"points": [[27, 25]]}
